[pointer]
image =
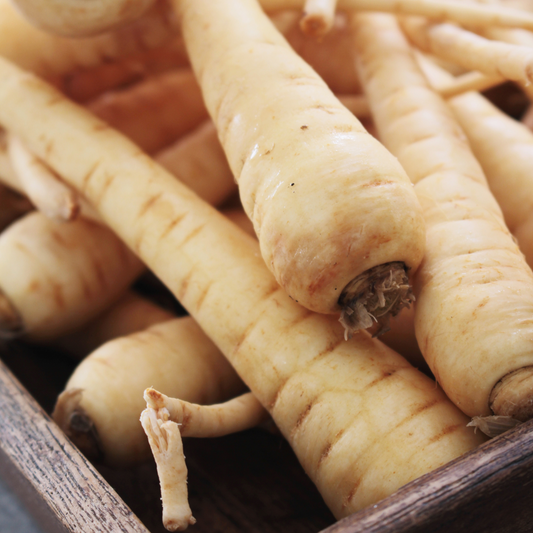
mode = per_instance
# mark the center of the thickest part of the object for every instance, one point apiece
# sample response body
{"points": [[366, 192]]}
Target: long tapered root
{"points": [[512, 396], [374, 297], [165, 442]]}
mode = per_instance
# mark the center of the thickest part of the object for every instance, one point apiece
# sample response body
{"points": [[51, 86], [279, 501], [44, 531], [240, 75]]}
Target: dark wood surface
{"points": [[245, 482]]}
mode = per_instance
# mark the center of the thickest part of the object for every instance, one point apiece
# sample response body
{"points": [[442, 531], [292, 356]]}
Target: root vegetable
{"points": [[130, 314], [318, 17], [361, 420], [103, 399], [504, 148], [471, 51], [53, 198], [57, 276], [474, 290], [51, 55], [167, 448], [184, 419], [80, 19], [436, 10], [332, 209], [155, 112]]}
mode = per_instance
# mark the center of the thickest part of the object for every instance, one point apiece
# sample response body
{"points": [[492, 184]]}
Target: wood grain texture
{"points": [[42, 464], [245, 482]]}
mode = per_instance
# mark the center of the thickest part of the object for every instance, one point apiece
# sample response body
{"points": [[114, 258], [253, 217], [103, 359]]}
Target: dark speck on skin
{"points": [[304, 127]]}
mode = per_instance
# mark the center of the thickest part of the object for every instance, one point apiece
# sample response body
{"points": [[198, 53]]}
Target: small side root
{"points": [[374, 297]]}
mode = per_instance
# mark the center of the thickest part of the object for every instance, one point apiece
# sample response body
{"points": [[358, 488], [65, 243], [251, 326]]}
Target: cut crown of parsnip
{"points": [[330, 205]]}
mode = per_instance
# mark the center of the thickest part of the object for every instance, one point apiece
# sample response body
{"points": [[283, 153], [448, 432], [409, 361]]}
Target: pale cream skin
{"points": [[80, 19], [361, 420], [474, 289], [328, 202], [471, 51], [174, 356], [504, 148], [57, 276]]}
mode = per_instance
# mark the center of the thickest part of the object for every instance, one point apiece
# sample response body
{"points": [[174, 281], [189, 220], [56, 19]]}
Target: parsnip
{"points": [[361, 420], [57, 276], [504, 148], [130, 314], [474, 290], [79, 19], [318, 17], [181, 419], [103, 398], [53, 198], [334, 212], [155, 112], [51, 55], [471, 51]]}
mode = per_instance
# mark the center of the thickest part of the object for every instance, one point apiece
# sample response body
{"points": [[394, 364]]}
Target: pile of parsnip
{"points": [[387, 209]]}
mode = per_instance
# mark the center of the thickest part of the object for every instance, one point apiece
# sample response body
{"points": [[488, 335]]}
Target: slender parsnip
{"points": [[334, 212], [361, 420], [474, 290]]}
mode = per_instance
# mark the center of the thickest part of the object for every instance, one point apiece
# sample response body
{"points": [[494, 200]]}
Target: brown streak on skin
{"points": [[87, 177], [149, 203], [185, 421], [272, 404], [192, 234], [183, 287], [202, 296], [331, 346], [58, 238], [444, 432], [302, 417], [175, 221], [351, 494], [107, 183], [48, 149], [383, 376], [325, 453]]}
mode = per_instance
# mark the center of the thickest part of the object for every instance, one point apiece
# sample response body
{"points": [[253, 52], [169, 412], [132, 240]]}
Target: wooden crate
{"points": [[245, 482]]}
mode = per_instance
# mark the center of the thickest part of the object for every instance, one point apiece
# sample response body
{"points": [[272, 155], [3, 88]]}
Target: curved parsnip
{"points": [[474, 289], [103, 399], [333, 210], [57, 275], [361, 420]]}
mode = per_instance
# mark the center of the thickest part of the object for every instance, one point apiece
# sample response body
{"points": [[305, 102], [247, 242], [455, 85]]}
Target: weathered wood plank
{"points": [[43, 467]]}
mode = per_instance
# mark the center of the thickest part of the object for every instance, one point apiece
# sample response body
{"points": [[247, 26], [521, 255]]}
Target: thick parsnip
{"points": [[361, 420], [56, 276], [334, 212], [103, 399], [474, 289]]}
